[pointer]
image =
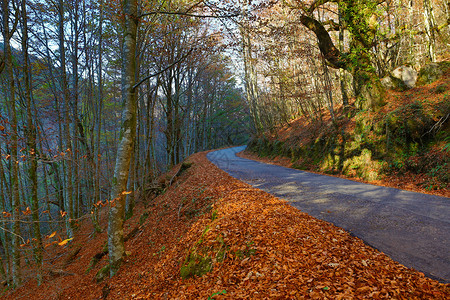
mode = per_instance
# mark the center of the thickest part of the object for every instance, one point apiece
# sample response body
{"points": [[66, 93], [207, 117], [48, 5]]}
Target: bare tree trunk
{"points": [[74, 103], [251, 88], [68, 203], [4, 235], [31, 145], [98, 116], [11, 102], [341, 71], [125, 149], [430, 29]]}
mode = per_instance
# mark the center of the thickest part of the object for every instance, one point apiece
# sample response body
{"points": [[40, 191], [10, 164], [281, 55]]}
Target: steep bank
{"points": [[209, 235], [405, 144]]}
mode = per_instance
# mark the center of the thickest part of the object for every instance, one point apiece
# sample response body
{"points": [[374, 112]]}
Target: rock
{"points": [[432, 72], [392, 83], [406, 74]]}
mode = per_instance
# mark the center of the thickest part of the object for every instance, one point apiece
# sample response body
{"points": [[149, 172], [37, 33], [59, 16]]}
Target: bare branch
{"points": [[163, 70], [188, 14], [2, 63], [334, 26], [316, 4]]}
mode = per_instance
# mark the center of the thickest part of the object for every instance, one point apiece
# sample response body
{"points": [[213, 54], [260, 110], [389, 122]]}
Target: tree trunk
{"points": [[31, 145], [125, 149], [68, 201], [4, 223], [250, 75], [98, 123], [11, 102], [75, 182], [430, 29], [342, 80]]}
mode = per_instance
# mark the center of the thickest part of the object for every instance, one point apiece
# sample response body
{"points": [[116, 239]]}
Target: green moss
{"points": [[143, 218], [432, 72], [441, 88], [363, 166], [200, 260], [196, 265], [102, 273], [246, 252]]}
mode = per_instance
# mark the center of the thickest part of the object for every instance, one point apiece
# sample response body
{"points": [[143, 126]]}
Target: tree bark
{"points": [[125, 149]]}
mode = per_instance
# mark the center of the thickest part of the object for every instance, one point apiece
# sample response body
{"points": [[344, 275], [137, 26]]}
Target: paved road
{"points": [[412, 228]]}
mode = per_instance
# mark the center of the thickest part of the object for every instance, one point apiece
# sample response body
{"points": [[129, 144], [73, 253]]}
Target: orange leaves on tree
{"points": [[25, 244], [58, 241], [112, 203], [51, 235], [49, 244], [27, 211], [62, 243]]}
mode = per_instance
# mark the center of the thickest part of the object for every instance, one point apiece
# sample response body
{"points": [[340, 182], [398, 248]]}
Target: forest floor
{"points": [[254, 245]]}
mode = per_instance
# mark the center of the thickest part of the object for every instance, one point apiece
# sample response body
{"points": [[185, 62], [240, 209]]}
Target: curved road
{"points": [[412, 228]]}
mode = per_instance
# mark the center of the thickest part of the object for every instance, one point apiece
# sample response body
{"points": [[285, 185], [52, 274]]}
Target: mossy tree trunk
{"points": [[360, 20]]}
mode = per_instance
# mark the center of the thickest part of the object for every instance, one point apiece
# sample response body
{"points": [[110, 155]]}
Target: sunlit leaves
{"points": [[51, 235], [64, 242]]}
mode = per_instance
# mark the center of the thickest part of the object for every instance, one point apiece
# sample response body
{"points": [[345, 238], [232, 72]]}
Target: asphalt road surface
{"points": [[412, 228]]}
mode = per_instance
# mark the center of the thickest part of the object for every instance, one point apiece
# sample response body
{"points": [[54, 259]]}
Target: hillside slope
{"points": [[245, 242], [405, 144]]}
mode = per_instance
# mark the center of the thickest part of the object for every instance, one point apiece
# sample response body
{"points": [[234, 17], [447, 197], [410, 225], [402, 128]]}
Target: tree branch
{"points": [[163, 70], [326, 46], [316, 4], [2, 63], [188, 14], [16, 21], [335, 26]]}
